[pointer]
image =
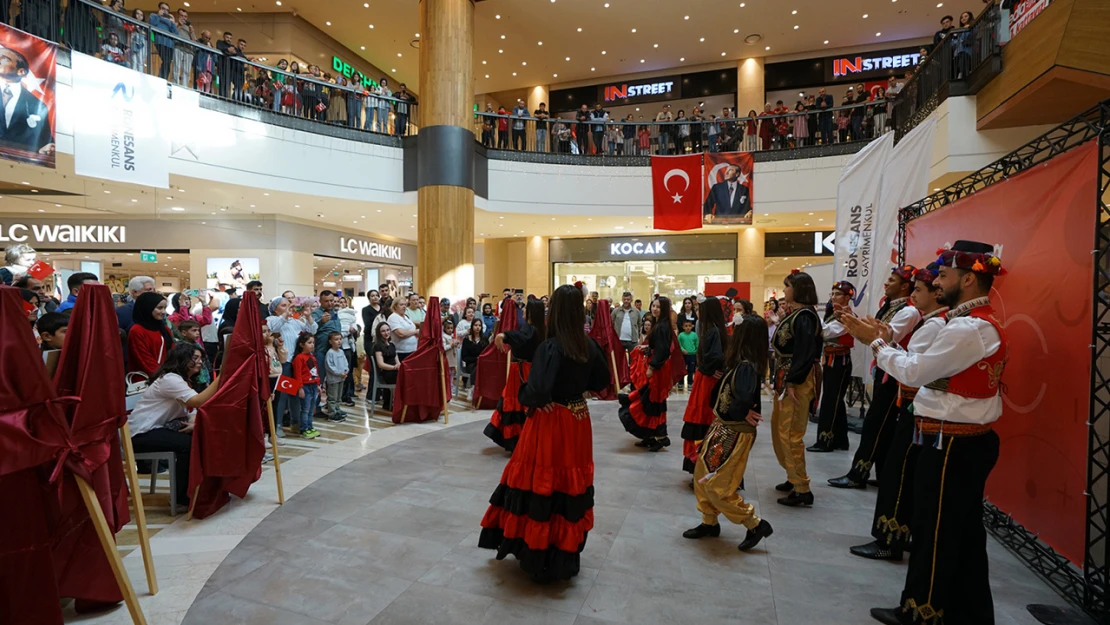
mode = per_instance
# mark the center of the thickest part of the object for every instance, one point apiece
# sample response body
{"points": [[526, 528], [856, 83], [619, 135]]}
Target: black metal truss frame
{"points": [[1089, 588]]}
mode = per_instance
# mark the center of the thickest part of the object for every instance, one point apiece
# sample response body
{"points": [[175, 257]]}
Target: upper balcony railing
{"points": [[221, 70], [964, 61], [596, 133]]}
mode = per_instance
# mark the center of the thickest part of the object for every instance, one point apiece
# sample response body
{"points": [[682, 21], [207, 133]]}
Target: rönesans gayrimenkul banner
{"points": [[857, 202], [119, 118]]}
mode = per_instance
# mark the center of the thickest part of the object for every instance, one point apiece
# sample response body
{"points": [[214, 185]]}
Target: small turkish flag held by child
{"points": [[288, 385], [321, 107], [40, 270]]}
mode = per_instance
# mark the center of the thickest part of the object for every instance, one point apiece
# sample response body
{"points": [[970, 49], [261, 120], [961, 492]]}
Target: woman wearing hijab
{"points": [[149, 340]]}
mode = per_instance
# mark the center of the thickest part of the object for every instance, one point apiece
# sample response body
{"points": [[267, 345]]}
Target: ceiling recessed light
{"points": [[826, 42], [266, 194], [878, 34], [328, 23], [379, 210], [524, 62], [539, 43], [278, 2], [42, 210], [603, 51], [502, 36], [656, 45], [767, 48], [497, 17], [371, 26], [417, 35], [864, 16], [238, 9], [177, 209], [34, 190], [702, 40], [366, 5], [593, 69], [618, 227], [735, 31], [398, 54], [742, 5], [606, 5], [107, 191], [487, 75], [568, 58], [940, 4], [363, 47], [633, 30], [641, 60], [681, 60], [554, 75], [722, 54], [514, 73], [483, 62], [579, 30], [393, 71], [501, 52]]}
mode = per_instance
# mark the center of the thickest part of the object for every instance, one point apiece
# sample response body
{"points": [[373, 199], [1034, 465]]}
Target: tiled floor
{"points": [[390, 538]]}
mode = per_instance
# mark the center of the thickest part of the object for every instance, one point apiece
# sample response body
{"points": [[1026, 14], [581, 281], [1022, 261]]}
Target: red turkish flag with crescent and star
{"points": [[288, 385], [676, 191]]}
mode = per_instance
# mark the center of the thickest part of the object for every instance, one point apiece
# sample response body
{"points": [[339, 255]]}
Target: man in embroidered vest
{"points": [[878, 424], [836, 363], [894, 505], [947, 579]]}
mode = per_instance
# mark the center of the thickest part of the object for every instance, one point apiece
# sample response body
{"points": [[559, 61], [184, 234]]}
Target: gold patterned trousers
{"points": [[718, 495], [789, 420]]}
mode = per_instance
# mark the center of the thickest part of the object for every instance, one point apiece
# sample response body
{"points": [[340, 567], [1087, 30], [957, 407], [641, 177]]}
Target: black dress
{"points": [[542, 510]]}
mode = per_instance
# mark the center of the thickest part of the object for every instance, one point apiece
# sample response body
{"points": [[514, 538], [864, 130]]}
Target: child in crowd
{"points": [[52, 330], [189, 331], [304, 370], [336, 368], [450, 346], [688, 341], [644, 137], [275, 354]]}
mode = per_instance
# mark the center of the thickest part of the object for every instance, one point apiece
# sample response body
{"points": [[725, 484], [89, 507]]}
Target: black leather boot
{"points": [[796, 499], [702, 531], [758, 533]]}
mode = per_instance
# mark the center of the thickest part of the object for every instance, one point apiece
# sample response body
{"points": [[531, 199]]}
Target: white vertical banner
{"points": [[117, 130], [905, 181], [857, 202]]}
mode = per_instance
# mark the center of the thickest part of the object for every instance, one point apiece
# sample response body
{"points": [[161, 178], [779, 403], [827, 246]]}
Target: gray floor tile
{"points": [[501, 612], [370, 550], [221, 607], [423, 604]]}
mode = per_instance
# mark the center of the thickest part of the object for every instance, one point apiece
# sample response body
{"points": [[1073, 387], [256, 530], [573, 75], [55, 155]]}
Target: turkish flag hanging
{"points": [[676, 191]]}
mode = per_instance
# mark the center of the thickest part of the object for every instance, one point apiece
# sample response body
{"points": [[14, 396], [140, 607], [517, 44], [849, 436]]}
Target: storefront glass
{"points": [[354, 276], [644, 278]]}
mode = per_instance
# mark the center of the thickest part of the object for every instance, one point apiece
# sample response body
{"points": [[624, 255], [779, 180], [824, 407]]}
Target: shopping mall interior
{"points": [[372, 172]]}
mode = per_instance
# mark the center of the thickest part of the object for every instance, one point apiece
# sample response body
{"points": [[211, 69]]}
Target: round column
{"points": [[445, 195]]}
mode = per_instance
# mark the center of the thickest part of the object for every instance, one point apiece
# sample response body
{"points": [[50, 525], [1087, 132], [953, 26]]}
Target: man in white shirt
{"points": [[626, 321], [894, 505], [960, 375], [902, 317]]}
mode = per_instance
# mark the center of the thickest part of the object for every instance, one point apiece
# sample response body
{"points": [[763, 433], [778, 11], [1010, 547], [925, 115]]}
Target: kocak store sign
{"points": [[638, 248], [62, 233], [372, 249]]}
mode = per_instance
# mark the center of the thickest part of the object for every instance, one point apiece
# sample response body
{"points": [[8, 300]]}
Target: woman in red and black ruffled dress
{"points": [[711, 363], [543, 507], [508, 418], [643, 412]]}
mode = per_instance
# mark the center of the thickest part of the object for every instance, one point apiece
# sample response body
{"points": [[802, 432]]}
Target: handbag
{"points": [[136, 384]]}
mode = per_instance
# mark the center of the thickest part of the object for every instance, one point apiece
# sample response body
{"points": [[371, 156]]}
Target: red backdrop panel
{"points": [[741, 290], [1044, 221]]}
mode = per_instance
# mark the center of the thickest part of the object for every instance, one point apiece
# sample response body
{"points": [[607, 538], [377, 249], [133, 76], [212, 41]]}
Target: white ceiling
{"points": [[598, 37]]}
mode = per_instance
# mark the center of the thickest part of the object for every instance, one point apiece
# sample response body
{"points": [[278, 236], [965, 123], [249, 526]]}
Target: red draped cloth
{"points": [[91, 369], [423, 375], [606, 336], [228, 438], [35, 455], [489, 375]]}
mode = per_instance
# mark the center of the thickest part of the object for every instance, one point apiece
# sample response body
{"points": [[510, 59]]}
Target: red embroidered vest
{"points": [[982, 379]]}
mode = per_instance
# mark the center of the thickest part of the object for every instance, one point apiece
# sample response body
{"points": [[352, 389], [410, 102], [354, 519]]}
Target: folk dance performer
{"points": [[723, 455], [960, 378], [878, 424], [643, 412], [797, 345], [508, 418], [836, 363], [894, 505], [543, 508], [711, 365]]}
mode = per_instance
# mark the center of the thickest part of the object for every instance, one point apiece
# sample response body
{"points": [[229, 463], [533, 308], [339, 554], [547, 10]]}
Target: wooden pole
{"points": [[274, 446], [108, 544], [443, 388], [192, 503], [140, 512], [616, 376]]}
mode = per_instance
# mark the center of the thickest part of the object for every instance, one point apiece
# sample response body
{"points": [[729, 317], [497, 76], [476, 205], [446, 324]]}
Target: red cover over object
{"points": [[489, 375], [676, 191], [606, 336], [419, 394], [228, 438], [91, 369], [34, 443]]}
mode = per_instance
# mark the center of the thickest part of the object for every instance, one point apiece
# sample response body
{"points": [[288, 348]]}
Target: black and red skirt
{"points": [[508, 418], [643, 412], [697, 419], [637, 366], [542, 510]]}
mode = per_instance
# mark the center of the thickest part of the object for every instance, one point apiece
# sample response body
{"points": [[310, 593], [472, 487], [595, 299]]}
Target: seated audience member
{"points": [[52, 330], [149, 339], [164, 417], [136, 287], [385, 361], [74, 285]]}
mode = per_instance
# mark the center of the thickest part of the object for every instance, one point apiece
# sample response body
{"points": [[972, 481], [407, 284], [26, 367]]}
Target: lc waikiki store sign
{"points": [[62, 233]]}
